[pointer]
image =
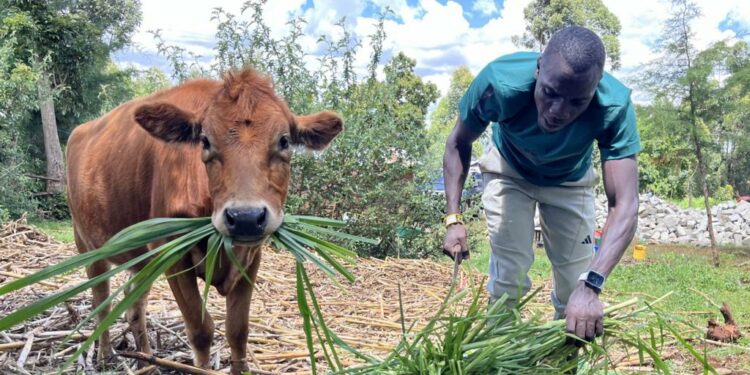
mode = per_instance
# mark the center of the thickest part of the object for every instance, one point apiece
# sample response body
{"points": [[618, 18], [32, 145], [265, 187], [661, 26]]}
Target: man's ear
{"points": [[316, 131], [168, 123], [538, 63]]}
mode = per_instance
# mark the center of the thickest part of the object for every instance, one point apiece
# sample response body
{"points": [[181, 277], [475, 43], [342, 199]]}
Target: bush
{"points": [[53, 207]]}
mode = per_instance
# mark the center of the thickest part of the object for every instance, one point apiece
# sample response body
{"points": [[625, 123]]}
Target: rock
{"points": [[681, 232], [738, 238], [661, 222]]}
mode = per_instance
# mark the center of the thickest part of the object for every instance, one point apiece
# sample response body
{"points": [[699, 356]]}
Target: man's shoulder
{"points": [[611, 93], [513, 71]]}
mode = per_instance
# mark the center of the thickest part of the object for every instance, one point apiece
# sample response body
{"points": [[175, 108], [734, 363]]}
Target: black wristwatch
{"points": [[593, 280]]}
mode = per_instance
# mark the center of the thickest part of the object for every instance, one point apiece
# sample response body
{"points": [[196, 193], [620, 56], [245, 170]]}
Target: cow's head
{"points": [[245, 134]]}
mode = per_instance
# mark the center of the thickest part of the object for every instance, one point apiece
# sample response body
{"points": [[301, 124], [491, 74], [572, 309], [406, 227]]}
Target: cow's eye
{"points": [[284, 142], [204, 141]]}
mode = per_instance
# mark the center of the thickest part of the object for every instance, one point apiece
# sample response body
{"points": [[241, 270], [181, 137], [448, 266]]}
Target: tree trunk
{"points": [[52, 148], [702, 176], [710, 226], [690, 191]]}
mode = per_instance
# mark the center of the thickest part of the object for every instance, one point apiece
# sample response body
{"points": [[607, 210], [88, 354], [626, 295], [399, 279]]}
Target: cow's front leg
{"points": [[136, 316], [200, 330], [238, 308]]}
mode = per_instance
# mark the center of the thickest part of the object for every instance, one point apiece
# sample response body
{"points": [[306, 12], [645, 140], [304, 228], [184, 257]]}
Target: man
{"points": [[546, 112]]}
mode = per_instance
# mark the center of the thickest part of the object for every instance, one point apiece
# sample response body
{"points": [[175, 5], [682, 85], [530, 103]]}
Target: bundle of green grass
{"points": [[496, 339]]}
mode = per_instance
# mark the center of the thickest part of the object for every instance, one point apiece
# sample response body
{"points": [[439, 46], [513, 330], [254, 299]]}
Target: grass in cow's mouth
{"points": [[297, 234]]}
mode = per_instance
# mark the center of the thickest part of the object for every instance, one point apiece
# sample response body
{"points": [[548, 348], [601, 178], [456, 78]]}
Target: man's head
{"points": [[567, 75]]}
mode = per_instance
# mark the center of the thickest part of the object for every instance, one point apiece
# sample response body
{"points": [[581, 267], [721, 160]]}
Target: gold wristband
{"points": [[451, 219]]}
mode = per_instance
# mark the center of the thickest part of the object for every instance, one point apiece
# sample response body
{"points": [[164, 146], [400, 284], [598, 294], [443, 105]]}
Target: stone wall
{"points": [[662, 222]]}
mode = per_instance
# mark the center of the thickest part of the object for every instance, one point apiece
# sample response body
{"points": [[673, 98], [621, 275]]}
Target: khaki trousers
{"points": [[567, 216]]}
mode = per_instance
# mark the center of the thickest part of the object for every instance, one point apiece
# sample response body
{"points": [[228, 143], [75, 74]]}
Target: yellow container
{"points": [[639, 252]]}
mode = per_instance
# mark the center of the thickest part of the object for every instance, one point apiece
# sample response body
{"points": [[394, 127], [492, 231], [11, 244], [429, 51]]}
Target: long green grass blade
{"points": [[304, 310], [108, 301], [322, 251], [212, 254], [292, 244], [706, 366], [319, 221], [143, 280], [337, 234], [229, 250], [320, 321], [130, 238], [337, 250]]}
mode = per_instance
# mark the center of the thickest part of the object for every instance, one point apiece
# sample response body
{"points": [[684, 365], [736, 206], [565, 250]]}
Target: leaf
{"points": [[133, 237], [212, 254], [143, 280], [342, 235], [304, 310]]}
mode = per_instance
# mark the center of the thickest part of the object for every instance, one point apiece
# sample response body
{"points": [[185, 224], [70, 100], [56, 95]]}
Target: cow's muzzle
{"points": [[246, 223]]}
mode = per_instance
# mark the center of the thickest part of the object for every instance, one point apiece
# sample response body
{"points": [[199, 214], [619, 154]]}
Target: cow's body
{"points": [[120, 173]]}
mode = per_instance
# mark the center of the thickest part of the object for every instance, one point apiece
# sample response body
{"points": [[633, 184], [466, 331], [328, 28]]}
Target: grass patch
{"points": [[61, 230], [696, 202], [686, 270]]}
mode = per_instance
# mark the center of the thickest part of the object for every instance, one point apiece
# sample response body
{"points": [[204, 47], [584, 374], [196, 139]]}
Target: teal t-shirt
{"points": [[503, 94]]}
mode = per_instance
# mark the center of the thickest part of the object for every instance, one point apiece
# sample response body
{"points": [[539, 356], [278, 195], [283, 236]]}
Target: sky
{"points": [[440, 35]]}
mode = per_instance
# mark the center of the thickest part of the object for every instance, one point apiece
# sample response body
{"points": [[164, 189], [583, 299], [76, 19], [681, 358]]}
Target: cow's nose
{"points": [[245, 221]]}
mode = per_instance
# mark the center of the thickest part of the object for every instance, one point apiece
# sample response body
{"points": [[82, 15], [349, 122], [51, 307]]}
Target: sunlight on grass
{"points": [[61, 230], [684, 270]]}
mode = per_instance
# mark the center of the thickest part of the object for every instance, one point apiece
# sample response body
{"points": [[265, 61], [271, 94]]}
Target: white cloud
{"points": [[485, 7], [437, 35]]}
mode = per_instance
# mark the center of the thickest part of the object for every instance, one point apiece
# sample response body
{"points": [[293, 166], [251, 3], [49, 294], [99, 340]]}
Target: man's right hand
{"points": [[455, 242]]}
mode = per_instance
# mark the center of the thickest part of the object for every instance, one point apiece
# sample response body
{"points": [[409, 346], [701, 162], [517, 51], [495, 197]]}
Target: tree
{"points": [[734, 136], [66, 43], [545, 17], [443, 118], [666, 159], [682, 78], [17, 100]]}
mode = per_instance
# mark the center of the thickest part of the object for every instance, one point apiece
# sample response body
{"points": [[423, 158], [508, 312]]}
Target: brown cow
{"points": [[202, 148]]}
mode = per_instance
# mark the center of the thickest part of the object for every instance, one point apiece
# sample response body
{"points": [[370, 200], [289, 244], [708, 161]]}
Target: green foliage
{"points": [[667, 159], [544, 17], [70, 41], [53, 207], [443, 119], [74, 39], [17, 101], [700, 104]]}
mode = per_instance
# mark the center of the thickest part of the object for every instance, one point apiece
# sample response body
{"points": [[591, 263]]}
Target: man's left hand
{"points": [[584, 314]]}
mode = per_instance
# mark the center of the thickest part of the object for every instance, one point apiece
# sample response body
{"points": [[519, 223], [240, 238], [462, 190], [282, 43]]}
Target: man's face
{"points": [[562, 95]]}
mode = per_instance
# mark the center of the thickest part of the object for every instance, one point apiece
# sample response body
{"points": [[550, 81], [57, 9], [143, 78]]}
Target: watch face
{"points": [[594, 279]]}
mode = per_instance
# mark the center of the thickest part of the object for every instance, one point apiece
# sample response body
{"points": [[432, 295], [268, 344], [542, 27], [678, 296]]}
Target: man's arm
{"points": [[585, 313], [621, 187], [456, 162]]}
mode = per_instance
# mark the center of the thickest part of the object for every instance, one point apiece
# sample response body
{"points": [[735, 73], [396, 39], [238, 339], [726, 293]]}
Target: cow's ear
{"points": [[316, 131], [168, 123]]}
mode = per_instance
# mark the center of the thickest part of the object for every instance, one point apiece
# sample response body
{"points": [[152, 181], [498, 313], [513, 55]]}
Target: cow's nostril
{"points": [[261, 222], [229, 215]]}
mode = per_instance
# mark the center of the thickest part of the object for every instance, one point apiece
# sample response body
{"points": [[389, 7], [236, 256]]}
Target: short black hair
{"points": [[580, 47]]}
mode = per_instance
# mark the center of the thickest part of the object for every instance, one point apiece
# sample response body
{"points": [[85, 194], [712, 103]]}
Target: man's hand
{"points": [[455, 242], [584, 315]]}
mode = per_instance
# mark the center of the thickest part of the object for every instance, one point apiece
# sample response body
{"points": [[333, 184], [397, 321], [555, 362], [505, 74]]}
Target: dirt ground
{"points": [[365, 314]]}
